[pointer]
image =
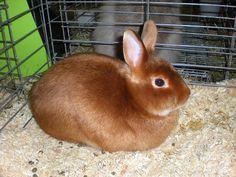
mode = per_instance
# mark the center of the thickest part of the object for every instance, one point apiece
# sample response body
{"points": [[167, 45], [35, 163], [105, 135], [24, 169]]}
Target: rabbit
{"points": [[112, 17], [110, 104]]}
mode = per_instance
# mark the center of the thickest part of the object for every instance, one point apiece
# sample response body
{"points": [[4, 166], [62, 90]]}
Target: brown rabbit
{"points": [[107, 103]]}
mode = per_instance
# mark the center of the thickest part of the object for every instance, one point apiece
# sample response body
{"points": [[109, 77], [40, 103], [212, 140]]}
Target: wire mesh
{"points": [[15, 79]]}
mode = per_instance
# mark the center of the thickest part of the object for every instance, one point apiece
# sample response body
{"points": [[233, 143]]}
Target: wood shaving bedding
{"points": [[202, 144]]}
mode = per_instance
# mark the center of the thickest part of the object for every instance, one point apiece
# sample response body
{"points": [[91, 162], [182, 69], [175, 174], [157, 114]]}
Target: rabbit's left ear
{"points": [[149, 35], [135, 53]]}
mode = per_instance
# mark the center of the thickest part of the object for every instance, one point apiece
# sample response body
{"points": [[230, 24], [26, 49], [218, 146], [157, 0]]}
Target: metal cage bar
{"points": [[13, 86]]}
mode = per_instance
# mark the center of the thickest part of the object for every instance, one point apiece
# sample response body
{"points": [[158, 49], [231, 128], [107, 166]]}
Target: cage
{"points": [[36, 34]]}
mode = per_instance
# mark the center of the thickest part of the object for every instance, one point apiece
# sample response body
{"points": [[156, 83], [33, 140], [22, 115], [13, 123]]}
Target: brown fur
{"points": [[105, 103]]}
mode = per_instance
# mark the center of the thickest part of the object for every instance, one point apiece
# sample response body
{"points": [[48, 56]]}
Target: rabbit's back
{"points": [[80, 93], [81, 78]]}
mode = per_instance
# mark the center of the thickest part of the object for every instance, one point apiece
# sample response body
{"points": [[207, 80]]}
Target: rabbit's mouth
{"points": [[166, 112], [163, 113]]}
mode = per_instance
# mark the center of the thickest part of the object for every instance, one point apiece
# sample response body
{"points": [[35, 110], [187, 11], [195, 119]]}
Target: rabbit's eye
{"points": [[159, 82]]}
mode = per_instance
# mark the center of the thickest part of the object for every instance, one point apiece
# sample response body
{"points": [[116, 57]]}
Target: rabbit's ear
{"points": [[135, 53], [149, 35]]}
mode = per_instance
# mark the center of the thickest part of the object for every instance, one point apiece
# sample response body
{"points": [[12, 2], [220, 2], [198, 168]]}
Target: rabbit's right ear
{"points": [[149, 35], [135, 53]]}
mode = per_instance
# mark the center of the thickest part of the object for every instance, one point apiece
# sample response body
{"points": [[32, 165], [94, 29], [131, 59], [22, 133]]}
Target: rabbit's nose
{"points": [[187, 93], [184, 95]]}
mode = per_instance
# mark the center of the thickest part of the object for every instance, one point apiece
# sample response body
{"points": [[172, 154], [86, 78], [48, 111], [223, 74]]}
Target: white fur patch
{"points": [[164, 113]]}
